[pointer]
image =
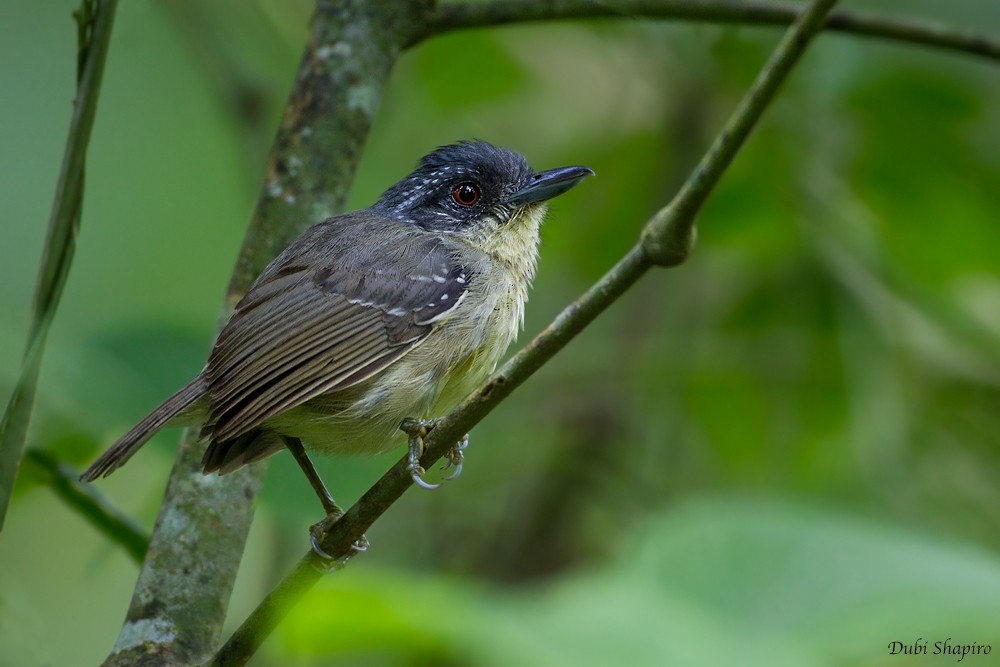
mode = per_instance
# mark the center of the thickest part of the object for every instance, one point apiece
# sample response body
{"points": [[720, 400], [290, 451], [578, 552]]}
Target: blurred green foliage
{"points": [[784, 452], [722, 582]]}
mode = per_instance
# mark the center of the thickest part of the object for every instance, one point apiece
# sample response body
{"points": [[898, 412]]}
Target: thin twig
{"points": [[94, 21], [86, 500], [460, 15], [666, 240]]}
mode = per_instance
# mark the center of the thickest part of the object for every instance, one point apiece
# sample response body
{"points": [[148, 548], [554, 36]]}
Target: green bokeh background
{"points": [[785, 452]]}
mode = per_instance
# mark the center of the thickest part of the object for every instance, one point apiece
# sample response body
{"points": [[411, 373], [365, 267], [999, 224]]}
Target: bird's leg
{"points": [[330, 506], [417, 430]]}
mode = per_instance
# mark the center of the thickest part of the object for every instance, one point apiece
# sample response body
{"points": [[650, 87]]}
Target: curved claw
{"points": [[318, 549], [416, 429], [456, 458], [319, 529], [331, 563], [455, 473], [417, 475]]}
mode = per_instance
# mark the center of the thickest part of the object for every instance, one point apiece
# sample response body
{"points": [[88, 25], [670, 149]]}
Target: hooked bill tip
{"points": [[545, 185]]}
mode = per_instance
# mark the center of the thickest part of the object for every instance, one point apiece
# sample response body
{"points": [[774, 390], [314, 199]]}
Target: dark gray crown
{"points": [[425, 196]]}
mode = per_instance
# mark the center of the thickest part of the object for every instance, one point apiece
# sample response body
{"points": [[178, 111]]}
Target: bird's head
{"points": [[476, 190]]}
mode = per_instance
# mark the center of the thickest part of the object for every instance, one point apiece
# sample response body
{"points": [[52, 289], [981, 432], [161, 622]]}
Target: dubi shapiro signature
{"points": [[941, 647]]}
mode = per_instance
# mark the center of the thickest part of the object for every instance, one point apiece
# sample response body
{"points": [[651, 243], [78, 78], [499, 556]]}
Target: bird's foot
{"points": [[316, 533], [417, 430], [455, 458]]}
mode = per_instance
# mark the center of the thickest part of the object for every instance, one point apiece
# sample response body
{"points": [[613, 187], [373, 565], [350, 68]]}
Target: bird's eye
{"points": [[466, 194]]}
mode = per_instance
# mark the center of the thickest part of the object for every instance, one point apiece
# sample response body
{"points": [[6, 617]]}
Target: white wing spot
{"points": [[444, 297], [397, 312], [439, 279]]}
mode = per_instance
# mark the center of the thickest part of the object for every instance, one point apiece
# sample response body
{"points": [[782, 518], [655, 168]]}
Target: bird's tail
{"points": [[129, 444]]}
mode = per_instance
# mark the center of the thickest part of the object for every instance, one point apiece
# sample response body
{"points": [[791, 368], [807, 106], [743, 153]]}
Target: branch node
{"points": [[669, 236]]}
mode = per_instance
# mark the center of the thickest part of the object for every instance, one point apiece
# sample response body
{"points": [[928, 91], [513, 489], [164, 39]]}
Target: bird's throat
{"points": [[516, 244]]}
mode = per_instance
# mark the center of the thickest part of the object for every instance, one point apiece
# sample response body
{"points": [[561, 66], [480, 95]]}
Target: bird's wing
{"points": [[338, 306]]}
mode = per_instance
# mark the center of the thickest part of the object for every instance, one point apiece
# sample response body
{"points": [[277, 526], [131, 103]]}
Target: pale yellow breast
{"points": [[450, 363]]}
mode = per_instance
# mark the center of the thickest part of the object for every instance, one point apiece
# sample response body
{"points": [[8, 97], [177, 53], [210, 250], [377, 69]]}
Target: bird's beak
{"points": [[548, 184]]}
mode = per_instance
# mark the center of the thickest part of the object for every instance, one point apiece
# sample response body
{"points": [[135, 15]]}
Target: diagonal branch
{"points": [[666, 240], [460, 15], [94, 21]]}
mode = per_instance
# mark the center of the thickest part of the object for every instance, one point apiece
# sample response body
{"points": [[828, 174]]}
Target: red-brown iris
{"points": [[466, 194]]}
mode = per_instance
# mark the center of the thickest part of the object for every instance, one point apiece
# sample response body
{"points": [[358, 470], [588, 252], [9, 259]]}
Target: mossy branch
{"points": [[180, 599], [666, 240]]}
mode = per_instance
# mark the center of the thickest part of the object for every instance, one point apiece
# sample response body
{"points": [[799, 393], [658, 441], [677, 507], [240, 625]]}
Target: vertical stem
{"points": [[179, 602], [95, 19]]}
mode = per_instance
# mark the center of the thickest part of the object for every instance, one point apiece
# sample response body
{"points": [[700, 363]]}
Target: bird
{"points": [[372, 322]]}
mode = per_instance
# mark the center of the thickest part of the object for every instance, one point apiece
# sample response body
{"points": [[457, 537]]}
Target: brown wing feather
{"points": [[332, 310]]}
